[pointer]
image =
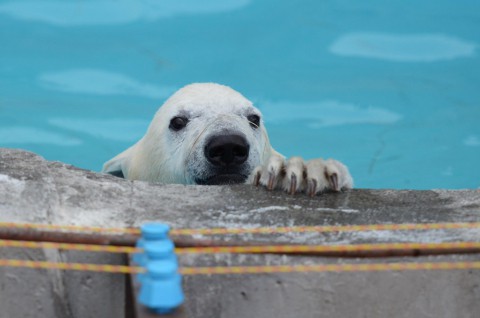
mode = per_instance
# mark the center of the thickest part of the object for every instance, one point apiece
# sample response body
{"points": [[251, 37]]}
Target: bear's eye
{"points": [[254, 121], [178, 123]]}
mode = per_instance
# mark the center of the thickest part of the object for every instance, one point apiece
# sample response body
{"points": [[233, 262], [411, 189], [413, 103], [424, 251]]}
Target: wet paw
{"points": [[270, 174], [296, 175], [327, 175]]}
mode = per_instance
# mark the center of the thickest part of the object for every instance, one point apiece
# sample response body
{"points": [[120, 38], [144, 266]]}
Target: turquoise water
{"points": [[391, 88]]}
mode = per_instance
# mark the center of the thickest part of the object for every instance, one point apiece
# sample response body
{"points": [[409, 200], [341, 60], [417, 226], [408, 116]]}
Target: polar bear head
{"points": [[205, 133]]}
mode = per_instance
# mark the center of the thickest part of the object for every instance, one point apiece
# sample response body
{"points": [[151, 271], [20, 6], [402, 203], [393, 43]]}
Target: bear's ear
{"points": [[117, 166]]}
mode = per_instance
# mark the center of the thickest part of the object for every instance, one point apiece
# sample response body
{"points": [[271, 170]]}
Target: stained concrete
{"points": [[35, 190]]}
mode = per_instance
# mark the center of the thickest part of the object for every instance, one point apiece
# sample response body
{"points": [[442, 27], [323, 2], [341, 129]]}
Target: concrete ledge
{"points": [[35, 190]]}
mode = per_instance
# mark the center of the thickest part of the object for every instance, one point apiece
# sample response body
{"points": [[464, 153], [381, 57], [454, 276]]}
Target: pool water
{"points": [[389, 88]]}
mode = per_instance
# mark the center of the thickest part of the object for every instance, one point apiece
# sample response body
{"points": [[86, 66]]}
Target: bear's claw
{"points": [[271, 180], [312, 187], [334, 182], [293, 184]]}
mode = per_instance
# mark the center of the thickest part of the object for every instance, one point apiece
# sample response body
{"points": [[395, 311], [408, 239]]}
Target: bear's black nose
{"points": [[227, 150]]}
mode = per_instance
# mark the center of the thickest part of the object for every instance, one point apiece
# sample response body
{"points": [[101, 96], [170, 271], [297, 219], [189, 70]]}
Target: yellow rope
{"points": [[76, 228], [71, 266], [70, 246], [259, 230], [252, 249], [248, 269], [329, 268]]}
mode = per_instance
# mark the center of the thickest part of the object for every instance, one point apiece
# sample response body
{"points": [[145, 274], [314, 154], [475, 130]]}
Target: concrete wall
{"points": [[35, 190]]}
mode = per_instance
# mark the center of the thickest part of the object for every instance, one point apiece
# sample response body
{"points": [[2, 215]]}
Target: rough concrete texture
{"points": [[35, 190]]}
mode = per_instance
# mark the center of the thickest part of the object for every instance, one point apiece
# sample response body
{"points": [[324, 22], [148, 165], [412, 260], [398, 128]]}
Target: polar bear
{"points": [[210, 134]]}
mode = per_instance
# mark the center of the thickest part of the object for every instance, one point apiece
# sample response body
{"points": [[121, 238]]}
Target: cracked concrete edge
{"points": [[35, 190]]}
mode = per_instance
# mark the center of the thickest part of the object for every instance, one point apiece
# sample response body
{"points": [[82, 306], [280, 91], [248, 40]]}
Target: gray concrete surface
{"points": [[35, 190]]}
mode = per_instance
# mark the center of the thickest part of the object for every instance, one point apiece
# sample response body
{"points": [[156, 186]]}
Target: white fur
{"points": [[167, 156]]}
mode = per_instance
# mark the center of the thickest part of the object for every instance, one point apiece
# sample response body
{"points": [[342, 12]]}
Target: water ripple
{"points": [[402, 48], [112, 12], [327, 113], [99, 82]]}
